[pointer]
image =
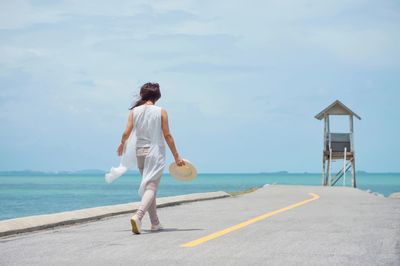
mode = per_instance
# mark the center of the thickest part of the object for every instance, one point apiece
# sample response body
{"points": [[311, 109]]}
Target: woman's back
{"points": [[147, 123]]}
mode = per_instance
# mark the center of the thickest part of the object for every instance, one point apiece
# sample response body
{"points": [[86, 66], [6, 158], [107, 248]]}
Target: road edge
{"points": [[46, 221]]}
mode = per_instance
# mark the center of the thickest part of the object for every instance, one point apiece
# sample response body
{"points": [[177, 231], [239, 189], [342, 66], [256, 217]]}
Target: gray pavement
{"points": [[344, 226], [38, 222]]}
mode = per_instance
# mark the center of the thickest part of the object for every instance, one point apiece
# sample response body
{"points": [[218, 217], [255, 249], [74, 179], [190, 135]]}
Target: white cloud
{"points": [[363, 47], [20, 13], [358, 32]]}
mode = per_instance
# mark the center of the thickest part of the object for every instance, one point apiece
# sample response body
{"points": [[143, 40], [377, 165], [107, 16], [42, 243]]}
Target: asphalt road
{"points": [[344, 226]]}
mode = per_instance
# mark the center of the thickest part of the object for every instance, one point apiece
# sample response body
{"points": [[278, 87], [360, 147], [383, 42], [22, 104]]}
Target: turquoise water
{"points": [[41, 194]]}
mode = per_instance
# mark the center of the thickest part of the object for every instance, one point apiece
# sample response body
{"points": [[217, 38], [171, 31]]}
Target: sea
{"points": [[33, 194]]}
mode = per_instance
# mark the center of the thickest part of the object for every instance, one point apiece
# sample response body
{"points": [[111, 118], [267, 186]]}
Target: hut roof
{"points": [[336, 108]]}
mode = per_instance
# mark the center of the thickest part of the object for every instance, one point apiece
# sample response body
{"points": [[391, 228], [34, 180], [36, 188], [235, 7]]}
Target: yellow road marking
{"points": [[246, 223]]}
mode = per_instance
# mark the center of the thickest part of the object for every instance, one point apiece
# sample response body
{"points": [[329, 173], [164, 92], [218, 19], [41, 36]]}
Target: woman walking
{"points": [[148, 127]]}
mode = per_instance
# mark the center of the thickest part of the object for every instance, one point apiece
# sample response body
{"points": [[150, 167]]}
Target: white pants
{"points": [[148, 202]]}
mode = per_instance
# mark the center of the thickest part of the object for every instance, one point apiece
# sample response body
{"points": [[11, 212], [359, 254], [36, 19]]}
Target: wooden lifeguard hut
{"points": [[338, 146]]}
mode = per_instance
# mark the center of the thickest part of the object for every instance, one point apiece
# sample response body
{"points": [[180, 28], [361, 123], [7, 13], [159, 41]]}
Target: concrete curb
{"points": [[39, 222]]}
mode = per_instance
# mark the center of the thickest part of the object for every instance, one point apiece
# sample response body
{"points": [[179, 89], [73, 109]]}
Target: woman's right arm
{"points": [[125, 135], [169, 139]]}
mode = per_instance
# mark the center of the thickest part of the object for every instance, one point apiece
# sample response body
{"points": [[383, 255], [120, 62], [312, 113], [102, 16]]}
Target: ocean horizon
{"points": [[26, 193]]}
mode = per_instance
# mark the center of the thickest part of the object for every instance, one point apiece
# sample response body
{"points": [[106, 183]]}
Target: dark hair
{"points": [[148, 92]]}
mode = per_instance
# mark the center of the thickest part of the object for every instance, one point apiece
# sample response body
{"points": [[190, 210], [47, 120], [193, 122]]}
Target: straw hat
{"points": [[185, 172]]}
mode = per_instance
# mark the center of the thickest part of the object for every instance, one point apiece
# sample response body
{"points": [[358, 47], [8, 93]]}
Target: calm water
{"points": [[32, 195]]}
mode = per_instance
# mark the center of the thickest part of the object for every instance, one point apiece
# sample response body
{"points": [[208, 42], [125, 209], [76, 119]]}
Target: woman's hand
{"points": [[179, 161], [120, 149]]}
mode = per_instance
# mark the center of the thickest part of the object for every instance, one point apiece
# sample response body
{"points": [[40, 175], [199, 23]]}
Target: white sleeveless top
{"points": [[147, 132], [147, 123]]}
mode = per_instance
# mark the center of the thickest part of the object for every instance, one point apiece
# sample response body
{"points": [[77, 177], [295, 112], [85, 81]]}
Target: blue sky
{"points": [[241, 80]]}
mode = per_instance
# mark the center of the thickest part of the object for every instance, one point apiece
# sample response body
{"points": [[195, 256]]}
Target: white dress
{"points": [[146, 132]]}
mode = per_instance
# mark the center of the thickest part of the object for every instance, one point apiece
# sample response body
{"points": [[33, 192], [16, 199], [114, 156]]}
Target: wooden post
{"points": [[324, 175], [323, 170], [323, 148], [353, 161], [353, 171], [344, 166], [329, 167], [351, 133], [327, 170], [351, 123], [326, 147], [328, 127]]}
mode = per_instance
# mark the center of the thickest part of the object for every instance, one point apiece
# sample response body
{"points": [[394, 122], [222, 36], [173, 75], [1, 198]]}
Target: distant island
{"points": [[41, 173], [275, 173]]}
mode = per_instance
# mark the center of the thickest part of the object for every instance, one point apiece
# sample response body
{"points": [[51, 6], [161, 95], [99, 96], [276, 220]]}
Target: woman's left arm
{"points": [[125, 135]]}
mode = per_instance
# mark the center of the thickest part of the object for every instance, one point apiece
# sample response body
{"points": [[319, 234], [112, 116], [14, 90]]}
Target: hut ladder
{"points": [[342, 172]]}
